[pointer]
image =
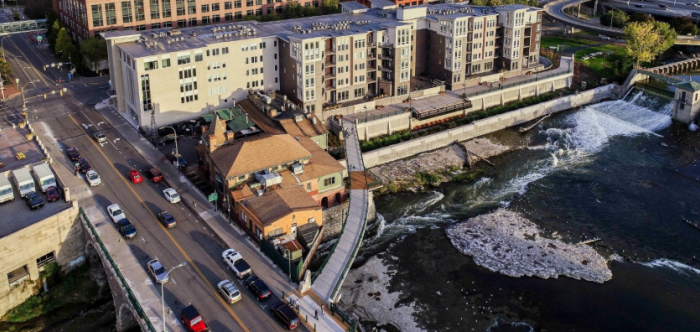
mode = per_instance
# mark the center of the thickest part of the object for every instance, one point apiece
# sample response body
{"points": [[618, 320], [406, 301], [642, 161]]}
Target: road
{"points": [[72, 121], [679, 9]]}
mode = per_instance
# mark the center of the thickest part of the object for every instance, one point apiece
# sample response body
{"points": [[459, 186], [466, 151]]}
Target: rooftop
{"points": [[23, 217], [279, 202], [304, 126], [689, 86], [13, 141], [160, 41], [236, 120]]}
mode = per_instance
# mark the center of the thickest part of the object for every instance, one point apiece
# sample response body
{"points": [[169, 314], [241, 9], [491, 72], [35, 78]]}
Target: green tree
{"points": [[94, 50], [619, 18], [641, 17], [641, 39], [330, 6], [668, 37], [479, 2], [64, 45], [684, 25], [52, 34], [5, 69]]}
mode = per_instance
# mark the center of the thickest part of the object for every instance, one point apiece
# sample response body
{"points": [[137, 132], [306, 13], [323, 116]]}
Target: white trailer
{"points": [[23, 181], [6, 193], [44, 176]]}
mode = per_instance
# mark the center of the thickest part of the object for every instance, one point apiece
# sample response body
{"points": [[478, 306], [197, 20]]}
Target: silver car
{"points": [[229, 291], [156, 269], [93, 178]]}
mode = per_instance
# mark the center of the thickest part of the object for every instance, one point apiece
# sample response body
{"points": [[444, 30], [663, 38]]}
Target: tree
{"points": [[641, 40], [64, 45], [94, 50], [668, 37], [641, 17], [330, 6], [684, 25], [619, 18], [52, 34], [5, 69], [37, 9]]}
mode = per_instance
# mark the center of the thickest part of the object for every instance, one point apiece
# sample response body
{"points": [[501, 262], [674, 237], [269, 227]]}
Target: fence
{"points": [[422, 115], [283, 263], [347, 319], [320, 270], [379, 116], [504, 86], [130, 295]]}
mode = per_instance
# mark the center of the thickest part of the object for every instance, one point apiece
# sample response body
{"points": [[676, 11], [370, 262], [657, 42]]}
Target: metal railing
{"points": [[130, 295], [442, 110], [347, 319], [379, 116], [504, 86], [320, 270]]}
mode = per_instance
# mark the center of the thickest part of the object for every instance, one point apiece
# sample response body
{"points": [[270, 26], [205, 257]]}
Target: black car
{"points": [[167, 219], [166, 134], [126, 229], [34, 201], [73, 154], [258, 287], [285, 314], [84, 165], [639, 6]]}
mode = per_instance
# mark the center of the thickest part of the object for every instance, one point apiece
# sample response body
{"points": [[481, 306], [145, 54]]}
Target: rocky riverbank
{"points": [[365, 295], [439, 166], [506, 242]]}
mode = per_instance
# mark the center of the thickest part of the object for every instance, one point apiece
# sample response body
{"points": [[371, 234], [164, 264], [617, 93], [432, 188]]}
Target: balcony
{"points": [[386, 69], [330, 63], [330, 88], [386, 58], [385, 45], [330, 51]]}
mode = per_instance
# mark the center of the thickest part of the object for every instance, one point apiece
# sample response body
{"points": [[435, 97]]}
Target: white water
{"points": [[673, 265]]}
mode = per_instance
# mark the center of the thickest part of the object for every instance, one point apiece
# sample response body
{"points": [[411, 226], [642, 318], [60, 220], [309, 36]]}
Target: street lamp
{"points": [[177, 154], [162, 299], [289, 262]]}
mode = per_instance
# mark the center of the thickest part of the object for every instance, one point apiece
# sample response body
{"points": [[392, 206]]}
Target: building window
{"points": [[329, 181], [183, 59], [150, 65], [166, 9], [249, 3], [140, 12], [192, 7], [111, 13], [216, 18], [126, 12], [165, 63], [308, 186], [193, 22], [237, 4], [141, 27], [215, 7], [18, 275], [180, 7], [181, 23], [228, 5], [155, 26], [155, 10], [205, 8], [96, 15], [239, 15], [206, 20], [146, 91], [228, 17], [46, 259]]}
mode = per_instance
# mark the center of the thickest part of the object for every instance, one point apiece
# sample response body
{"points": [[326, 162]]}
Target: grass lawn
{"points": [[563, 42], [602, 65]]}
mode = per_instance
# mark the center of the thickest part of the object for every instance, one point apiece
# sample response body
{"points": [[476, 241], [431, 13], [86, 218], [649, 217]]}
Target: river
{"points": [[617, 170]]}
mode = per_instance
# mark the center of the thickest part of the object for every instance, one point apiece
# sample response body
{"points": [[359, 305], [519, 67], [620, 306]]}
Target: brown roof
{"points": [[304, 127], [217, 127], [258, 152], [279, 202], [263, 121], [320, 164]]}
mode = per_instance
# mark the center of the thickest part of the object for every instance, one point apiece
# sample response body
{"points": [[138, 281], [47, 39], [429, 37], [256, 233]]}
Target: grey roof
{"points": [[689, 86], [353, 5], [382, 3]]}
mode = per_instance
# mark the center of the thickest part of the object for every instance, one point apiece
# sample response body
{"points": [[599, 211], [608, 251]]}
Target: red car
{"points": [[193, 320], [154, 174], [52, 194], [134, 176]]}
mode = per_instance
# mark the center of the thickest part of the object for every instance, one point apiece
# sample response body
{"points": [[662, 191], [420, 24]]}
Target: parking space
{"points": [[18, 215], [16, 150]]}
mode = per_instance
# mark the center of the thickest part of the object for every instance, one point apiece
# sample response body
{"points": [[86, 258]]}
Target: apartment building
{"points": [[336, 59], [85, 18]]}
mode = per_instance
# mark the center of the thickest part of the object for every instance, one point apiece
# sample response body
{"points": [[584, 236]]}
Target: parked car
{"points": [[33, 201], [286, 315], [115, 212], [639, 6], [154, 175], [604, 37], [234, 260], [134, 176], [167, 219], [192, 320], [156, 269], [258, 288], [84, 165], [52, 194], [100, 137], [171, 195], [229, 291], [166, 134], [663, 6], [93, 178], [126, 229], [73, 154]]}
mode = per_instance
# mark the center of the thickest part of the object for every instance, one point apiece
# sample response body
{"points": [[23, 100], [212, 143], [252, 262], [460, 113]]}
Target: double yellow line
{"points": [[216, 294]]}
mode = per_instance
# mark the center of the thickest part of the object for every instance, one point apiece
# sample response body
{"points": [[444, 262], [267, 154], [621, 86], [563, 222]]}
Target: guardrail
{"points": [[504, 86], [320, 270], [442, 110], [380, 116], [130, 295], [347, 319]]}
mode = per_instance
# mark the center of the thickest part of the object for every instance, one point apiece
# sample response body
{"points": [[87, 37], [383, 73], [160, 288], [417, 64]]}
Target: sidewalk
{"points": [[229, 233]]}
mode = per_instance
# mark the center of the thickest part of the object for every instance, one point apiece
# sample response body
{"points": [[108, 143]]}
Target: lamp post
{"points": [[177, 154], [162, 299], [289, 262]]}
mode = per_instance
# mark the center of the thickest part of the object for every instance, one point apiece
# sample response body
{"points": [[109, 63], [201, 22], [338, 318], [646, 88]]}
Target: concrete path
{"points": [[336, 268]]}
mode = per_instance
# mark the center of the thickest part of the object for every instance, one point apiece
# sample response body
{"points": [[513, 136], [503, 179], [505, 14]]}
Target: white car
{"points": [[115, 212], [171, 195], [93, 178], [604, 37], [156, 269], [229, 291]]}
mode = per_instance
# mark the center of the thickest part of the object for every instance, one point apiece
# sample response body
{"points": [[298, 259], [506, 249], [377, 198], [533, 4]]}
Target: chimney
{"points": [[229, 136], [212, 143], [246, 118]]}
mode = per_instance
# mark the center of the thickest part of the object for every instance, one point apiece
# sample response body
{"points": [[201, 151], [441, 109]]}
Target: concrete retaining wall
{"points": [[333, 221], [371, 105], [485, 126]]}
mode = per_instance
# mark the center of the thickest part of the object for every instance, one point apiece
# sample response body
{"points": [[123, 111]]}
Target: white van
{"points": [[23, 181], [6, 193], [44, 176]]}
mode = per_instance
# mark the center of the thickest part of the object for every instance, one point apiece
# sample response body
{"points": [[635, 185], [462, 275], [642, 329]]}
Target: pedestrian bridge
{"points": [[332, 273], [9, 28]]}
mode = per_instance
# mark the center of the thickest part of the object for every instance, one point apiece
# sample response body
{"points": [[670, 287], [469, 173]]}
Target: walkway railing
{"points": [[130, 295], [347, 319], [318, 273], [504, 86]]}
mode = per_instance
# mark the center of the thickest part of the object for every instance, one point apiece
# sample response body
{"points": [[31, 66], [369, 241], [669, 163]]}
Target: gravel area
{"points": [[506, 242], [484, 148]]}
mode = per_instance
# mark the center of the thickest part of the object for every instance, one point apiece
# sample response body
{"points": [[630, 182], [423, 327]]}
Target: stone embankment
{"points": [[442, 165], [506, 242], [367, 297]]}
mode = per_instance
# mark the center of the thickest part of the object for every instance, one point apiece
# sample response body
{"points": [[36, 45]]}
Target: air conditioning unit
{"points": [[297, 169]]}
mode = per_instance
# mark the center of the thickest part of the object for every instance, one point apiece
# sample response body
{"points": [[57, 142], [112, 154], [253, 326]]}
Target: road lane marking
{"points": [[37, 72], [189, 260]]}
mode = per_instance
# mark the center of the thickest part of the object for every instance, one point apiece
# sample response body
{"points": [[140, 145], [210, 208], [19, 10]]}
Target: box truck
{"points": [[6, 193], [44, 176], [23, 181]]}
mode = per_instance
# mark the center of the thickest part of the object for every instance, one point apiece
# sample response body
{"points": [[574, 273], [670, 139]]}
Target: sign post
{"points": [[212, 198]]}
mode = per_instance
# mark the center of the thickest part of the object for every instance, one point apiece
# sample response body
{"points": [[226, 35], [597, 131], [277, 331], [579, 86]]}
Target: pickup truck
{"points": [[236, 263]]}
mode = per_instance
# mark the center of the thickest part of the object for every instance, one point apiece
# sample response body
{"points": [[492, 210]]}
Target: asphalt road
{"points": [[72, 121], [679, 9]]}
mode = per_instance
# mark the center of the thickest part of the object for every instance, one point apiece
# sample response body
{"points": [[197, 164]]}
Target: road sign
{"points": [[39, 38], [213, 196]]}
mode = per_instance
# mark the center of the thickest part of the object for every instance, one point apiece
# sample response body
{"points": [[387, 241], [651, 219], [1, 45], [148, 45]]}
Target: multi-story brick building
{"points": [[324, 60], [85, 18]]}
